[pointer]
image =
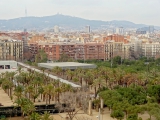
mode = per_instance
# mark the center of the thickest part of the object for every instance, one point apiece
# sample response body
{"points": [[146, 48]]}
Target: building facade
{"points": [[151, 50], [11, 50], [80, 51]]}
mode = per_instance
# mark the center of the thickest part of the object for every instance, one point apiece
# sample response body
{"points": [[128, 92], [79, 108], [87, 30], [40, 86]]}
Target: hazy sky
{"points": [[137, 11]]}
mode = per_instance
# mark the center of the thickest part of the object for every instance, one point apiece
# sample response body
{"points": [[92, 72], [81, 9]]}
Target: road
{"points": [[51, 76]]}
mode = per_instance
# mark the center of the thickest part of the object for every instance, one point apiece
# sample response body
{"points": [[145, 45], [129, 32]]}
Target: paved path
{"points": [[4, 98], [51, 76]]}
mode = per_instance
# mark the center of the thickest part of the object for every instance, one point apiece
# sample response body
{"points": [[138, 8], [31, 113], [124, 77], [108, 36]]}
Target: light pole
{"points": [[99, 115]]}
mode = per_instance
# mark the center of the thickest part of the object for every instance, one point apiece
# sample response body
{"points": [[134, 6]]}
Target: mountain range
{"points": [[64, 21]]}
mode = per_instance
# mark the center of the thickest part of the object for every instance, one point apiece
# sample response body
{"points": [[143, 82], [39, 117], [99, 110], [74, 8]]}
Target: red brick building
{"points": [[79, 51]]}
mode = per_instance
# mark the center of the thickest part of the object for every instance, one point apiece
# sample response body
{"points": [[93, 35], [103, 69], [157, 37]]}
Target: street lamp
{"points": [[99, 117]]}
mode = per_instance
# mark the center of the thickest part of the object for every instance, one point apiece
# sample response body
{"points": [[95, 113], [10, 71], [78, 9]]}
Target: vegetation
{"points": [[128, 88]]}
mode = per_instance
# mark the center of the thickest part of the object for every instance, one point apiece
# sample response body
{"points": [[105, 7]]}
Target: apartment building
{"points": [[11, 50], [150, 49], [78, 51], [126, 51], [94, 51], [109, 49]]}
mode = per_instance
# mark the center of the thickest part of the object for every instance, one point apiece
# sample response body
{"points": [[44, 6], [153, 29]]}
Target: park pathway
{"points": [[4, 98]]}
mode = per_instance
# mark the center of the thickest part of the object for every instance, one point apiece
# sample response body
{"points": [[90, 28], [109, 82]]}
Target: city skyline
{"points": [[136, 11]]}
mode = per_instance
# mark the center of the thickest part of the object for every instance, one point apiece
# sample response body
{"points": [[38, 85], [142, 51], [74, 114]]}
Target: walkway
{"points": [[5, 99], [51, 76]]}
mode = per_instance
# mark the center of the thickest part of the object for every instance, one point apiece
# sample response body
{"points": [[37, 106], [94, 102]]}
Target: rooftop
{"points": [[67, 65]]}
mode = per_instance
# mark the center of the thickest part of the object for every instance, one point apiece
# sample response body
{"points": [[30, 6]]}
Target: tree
{"points": [[57, 70], [34, 116], [118, 114], [132, 117], [7, 85], [46, 116], [41, 56], [27, 107], [153, 109], [113, 96], [70, 101], [49, 91], [18, 91], [117, 60], [28, 56]]}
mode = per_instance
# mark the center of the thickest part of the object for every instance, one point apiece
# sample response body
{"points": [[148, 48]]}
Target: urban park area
{"points": [[94, 90]]}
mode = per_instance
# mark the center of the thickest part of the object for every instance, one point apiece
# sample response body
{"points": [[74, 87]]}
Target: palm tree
{"points": [[57, 70], [34, 116], [27, 107], [1, 81], [7, 86], [69, 74], [42, 69], [49, 91], [29, 90], [40, 91], [88, 78], [18, 91], [100, 82], [58, 91], [80, 76], [46, 116]]}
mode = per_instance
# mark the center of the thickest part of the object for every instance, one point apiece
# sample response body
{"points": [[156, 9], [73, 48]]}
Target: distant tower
{"points": [[151, 29], [87, 29], [25, 12], [56, 29], [119, 31]]}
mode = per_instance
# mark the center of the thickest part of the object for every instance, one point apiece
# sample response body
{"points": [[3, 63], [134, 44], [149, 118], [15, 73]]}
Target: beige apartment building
{"points": [[109, 49], [11, 50], [126, 51], [113, 49], [151, 49]]}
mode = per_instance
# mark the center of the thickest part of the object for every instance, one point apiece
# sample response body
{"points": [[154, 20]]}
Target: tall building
{"points": [[119, 31], [25, 40], [56, 29], [87, 29], [151, 29]]}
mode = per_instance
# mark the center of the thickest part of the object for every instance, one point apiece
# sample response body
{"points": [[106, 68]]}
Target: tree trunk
{"points": [[43, 97], [58, 97], [10, 91], [95, 90], [49, 99], [81, 81]]}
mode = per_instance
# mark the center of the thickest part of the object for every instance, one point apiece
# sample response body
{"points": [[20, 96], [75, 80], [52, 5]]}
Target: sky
{"points": [[137, 11]]}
